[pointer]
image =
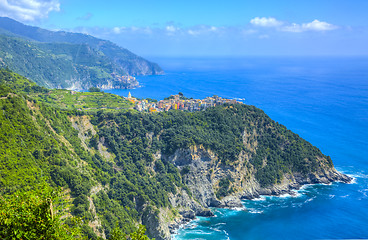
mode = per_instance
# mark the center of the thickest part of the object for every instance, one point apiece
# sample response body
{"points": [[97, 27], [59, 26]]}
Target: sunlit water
{"points": [[325, 101]]}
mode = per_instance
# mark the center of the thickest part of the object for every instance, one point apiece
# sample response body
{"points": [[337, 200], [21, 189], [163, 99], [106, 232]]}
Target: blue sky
{"points": [[208, 28]]}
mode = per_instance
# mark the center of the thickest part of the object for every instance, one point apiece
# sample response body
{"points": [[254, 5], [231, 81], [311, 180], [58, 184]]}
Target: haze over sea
{"points": [[324, 100]]}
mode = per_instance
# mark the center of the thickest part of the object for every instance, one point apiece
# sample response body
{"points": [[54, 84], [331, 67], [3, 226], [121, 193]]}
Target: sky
{"points": [[208, 28]]}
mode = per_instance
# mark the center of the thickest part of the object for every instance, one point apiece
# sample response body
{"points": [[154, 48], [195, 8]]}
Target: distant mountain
{"points": [[68, 60]]}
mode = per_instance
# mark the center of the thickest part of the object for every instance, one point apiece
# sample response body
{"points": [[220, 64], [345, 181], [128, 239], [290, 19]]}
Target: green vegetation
{"points": [[38, 142], [94, 89], [36, 214], [87, 101], [224, 186], [61, 98], [108, 170], [59, 65], [219, 129]]}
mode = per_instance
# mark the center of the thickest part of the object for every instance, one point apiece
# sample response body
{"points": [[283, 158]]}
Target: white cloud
{"points": [[316, 25], [130, 30], [292, 28], [116, 30], [203, 29], [220, 33], [170, 28], [192, 32], [213, 29], [266, 22], [28, 10]]}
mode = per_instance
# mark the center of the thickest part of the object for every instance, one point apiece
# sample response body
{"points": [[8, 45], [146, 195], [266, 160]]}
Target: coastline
{"points": [[292, 193]]}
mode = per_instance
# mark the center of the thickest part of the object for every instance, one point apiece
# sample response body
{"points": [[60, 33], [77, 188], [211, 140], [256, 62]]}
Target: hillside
{"points": [[124, 167], [68, 60]]}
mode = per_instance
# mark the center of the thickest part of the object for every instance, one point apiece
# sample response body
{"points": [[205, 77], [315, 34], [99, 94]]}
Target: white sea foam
{"points": [[256, 211], [309, 199], [282, 196], [297, 194], [215, 229], [238, 209], [220, 224], [305, 187], [355, 176], [261, 198], [201, 232], [297, 205], [364, 192]]}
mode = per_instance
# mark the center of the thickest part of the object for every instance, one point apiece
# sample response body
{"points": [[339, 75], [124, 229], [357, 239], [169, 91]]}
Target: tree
{"points": [[94, 89], [140, 234], [35, 214], [117, 234]]}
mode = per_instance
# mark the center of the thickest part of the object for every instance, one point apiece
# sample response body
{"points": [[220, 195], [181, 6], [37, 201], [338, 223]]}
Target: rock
{"points": [[232, 202], [156, 226], [205, 213], [188, 214]]}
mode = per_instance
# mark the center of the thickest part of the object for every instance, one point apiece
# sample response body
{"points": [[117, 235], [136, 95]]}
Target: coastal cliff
{"points": [[120, 168], [224, 154], [204, 175]]}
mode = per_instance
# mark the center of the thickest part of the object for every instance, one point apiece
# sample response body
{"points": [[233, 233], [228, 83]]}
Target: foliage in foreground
{"points": [[140, 234], [36, 214]]}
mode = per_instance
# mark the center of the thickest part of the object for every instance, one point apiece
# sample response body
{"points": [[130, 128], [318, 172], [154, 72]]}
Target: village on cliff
{"points": [[178, 102]]}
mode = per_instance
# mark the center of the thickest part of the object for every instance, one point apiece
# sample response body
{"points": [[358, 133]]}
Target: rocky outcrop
{"points": [[205, 172], [202, 173]]}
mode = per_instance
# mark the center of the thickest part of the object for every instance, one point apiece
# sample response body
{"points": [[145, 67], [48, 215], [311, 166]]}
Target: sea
{"points": [[324, 100]]}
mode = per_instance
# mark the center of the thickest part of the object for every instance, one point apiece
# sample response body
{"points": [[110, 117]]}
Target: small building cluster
{"points": [[179, 102]]}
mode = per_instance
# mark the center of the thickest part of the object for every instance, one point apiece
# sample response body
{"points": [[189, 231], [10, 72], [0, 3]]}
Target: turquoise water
{"points": [[325, 101]]}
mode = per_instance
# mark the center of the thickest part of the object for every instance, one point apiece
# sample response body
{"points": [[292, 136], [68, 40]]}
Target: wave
{"points": [[355, 176], [261, 198], [255, 211]]}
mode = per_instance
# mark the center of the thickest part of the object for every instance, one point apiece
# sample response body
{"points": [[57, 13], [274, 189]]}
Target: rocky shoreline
{"points": [[205, 173], [235, 203]]}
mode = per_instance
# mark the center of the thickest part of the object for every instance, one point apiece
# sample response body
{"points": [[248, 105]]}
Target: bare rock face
{"points": [[155, 224], [198, 161], [202, 172]]}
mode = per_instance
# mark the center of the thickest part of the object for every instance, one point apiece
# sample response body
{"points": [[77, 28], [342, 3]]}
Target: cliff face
{"points": [[206, 172], [203, 176], [214, 158]]}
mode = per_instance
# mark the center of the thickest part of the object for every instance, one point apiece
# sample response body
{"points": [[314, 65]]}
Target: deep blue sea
{"points": [[324, 100]]}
